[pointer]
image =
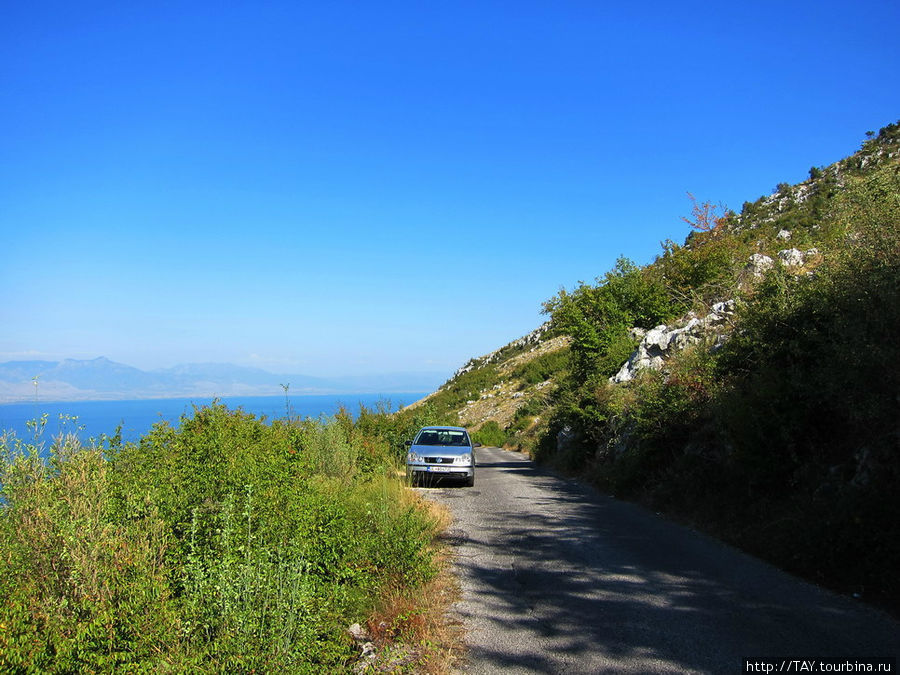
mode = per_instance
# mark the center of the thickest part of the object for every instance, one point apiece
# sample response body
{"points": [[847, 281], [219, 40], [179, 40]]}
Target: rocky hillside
{"points": [[744, 381], [784, 230], [504, 388]]}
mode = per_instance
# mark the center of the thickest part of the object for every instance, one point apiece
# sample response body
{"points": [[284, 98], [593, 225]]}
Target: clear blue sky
{"points": [[361, 187]]}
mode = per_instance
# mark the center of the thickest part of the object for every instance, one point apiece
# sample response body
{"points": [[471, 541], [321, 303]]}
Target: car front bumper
{"points": [[452, 470]]}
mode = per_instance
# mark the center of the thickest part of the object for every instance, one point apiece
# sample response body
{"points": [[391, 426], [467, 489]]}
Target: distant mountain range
{"points": [[102, 379]]}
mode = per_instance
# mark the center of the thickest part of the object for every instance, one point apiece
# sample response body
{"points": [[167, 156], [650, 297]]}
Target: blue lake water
{"points": [[93, 418]]}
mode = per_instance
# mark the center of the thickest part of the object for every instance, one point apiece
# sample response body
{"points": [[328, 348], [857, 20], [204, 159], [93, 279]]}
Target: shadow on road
{"points": [[578, 581]]}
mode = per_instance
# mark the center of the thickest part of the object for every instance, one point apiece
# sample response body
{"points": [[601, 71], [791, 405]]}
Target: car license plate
{"points": [[439, 469]]}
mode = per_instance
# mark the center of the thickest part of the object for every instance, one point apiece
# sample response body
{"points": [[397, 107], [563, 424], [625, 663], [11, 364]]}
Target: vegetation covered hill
{"points": [[745, 381]]}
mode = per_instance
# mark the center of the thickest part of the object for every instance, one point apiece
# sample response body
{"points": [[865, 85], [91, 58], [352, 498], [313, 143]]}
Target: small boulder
{"points": [[791, 257], [759, 264], [724, 308], [656, 337], [358, 633]]}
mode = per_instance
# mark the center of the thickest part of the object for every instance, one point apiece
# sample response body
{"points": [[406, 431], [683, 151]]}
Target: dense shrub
{"points": [[702, 270], [599, 317], [525, 414], [490, 434], [224, 544], [808, 365], [82, 587]]}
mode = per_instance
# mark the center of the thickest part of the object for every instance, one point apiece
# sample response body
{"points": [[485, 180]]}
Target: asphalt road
{"points": [[557, 578]]}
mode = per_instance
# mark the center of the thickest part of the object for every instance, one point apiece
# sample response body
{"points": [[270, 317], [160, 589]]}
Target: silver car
{"points": [[441, 451]]}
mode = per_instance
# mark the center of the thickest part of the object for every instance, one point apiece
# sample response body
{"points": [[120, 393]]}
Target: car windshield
{"points": [[442, 437]]}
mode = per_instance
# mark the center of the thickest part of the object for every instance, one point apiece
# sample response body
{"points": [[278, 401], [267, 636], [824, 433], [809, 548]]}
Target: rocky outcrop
{"points": [[532, 339], [759, 264], [662, 341]]}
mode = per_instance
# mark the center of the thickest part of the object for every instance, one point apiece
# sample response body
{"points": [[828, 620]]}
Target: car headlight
{"points": [[463, 459], [412, 457]]}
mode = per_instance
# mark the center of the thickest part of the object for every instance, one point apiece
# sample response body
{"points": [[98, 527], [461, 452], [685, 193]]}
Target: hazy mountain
{"points": [[24, 370], [188, 374], [101, 378], [100, 374]]}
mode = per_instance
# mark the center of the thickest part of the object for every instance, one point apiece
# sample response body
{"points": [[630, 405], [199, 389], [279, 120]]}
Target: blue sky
{"points": [[360, 187]]}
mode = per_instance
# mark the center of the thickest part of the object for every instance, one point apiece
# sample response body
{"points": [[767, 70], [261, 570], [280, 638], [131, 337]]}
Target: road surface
{"points": [[557, 578]]}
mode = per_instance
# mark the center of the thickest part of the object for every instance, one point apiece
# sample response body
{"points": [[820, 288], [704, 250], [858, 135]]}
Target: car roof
{"points": [[443, 428]]}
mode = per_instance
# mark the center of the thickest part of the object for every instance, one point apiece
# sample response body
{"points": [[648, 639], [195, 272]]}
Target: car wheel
{"points": [[470, 480]]}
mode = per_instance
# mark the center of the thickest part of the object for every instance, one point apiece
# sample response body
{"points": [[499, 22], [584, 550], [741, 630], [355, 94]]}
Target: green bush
{"points": [[703, 270], [490, 434], [808, 366], [599, 317], [534, 406], [225, 544], [393, 429], [543, 367], [83, 589]]}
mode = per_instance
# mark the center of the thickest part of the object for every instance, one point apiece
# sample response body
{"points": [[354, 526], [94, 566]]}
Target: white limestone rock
{"points": [[660, 342], [791, 257], [759, 264]]}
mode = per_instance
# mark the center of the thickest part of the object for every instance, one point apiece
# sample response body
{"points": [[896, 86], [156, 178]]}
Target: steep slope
{"points": [[744, 381], [722, 259]]}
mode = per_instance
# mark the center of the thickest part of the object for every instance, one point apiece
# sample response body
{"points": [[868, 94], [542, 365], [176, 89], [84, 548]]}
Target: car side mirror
{"points": [[407, 443], [476, 445]]}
